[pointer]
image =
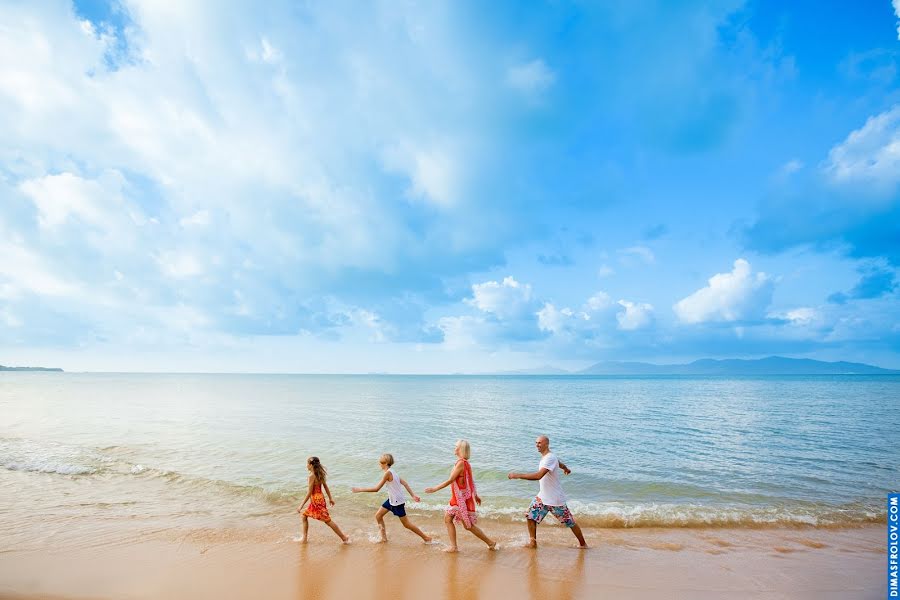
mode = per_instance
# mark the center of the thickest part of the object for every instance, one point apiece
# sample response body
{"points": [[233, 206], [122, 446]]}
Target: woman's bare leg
{"points": [[451, 533], [484, 538]]}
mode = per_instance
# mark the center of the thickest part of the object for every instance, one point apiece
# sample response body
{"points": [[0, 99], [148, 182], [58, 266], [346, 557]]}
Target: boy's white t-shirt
{"points": [[551, 492]]}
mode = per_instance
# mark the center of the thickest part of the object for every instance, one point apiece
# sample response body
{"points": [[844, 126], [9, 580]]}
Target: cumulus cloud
{"points": [[739, 295], [636, 315], [869, 155], [896, 4], [505, 299], [850, 204]]}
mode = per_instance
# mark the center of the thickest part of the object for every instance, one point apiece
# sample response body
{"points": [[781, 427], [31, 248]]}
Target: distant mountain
{"points": [[773, 365], [542, 370], [2, 368]]}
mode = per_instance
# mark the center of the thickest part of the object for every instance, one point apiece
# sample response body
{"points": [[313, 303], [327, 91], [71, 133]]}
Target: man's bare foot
{"points": [[450, 549]]}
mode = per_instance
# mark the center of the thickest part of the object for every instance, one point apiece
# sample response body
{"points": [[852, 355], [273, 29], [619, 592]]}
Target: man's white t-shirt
{"points": [[551, 492]]}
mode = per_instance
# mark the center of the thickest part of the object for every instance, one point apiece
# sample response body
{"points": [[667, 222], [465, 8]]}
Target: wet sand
{"points": [[266, 562]]}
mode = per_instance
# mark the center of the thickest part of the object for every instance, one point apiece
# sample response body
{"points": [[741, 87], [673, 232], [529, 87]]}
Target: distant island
{"points": [[773, 365], [55, 369]]}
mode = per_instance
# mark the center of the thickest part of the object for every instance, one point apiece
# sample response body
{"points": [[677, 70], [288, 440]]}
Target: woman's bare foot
{"points": [[450, 549], [346, 539], [493, 546]]}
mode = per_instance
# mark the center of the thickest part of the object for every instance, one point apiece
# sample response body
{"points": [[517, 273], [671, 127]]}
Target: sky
{"points": [[440, 187]]}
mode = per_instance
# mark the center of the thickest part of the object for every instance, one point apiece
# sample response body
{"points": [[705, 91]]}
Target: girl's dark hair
{"points": [[318, 470]]}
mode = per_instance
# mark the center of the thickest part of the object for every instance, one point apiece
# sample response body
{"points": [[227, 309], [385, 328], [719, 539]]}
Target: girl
{"points": [[317, 508], [463, 499], [396, 502]]}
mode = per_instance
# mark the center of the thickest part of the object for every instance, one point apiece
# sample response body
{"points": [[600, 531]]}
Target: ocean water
{"points": [[645, 451]]}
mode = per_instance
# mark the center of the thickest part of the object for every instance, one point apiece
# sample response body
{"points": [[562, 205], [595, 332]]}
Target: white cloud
{"points": [[636, 315], [799, 316], [507, 299], [433, 171], [552, 319], [869, 154], [735, 296], [60, 198], [179, 265], [198, 219], [599, 301], [896, 4], [530, 78]]}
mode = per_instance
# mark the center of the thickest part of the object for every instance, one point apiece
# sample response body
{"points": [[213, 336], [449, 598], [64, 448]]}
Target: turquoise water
{"points": [[645, 451]]}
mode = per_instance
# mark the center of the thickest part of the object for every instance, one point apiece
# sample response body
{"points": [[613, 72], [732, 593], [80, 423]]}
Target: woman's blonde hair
{"points": [[387, 459], [463, 445]]}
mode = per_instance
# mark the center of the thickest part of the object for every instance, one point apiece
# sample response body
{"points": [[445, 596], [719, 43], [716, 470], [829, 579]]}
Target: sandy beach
{"points": [[626, 563]]}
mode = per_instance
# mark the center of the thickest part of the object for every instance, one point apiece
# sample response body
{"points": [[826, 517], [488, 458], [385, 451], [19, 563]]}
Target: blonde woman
{"points": [[463, 499], [396, 502]]}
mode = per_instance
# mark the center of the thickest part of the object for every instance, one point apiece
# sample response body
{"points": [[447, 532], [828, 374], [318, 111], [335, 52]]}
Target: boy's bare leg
{"points": [[409, 525], [379, 518], [483, 537]]}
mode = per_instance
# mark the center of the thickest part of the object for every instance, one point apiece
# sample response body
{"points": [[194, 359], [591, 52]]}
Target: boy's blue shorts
{"points": [[399, 510]]}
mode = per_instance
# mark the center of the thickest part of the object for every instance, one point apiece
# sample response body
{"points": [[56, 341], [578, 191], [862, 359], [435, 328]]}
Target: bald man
{"points": [[550, 498]]}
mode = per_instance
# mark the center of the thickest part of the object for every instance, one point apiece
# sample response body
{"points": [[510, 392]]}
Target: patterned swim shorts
{"points": [[538, 510]]}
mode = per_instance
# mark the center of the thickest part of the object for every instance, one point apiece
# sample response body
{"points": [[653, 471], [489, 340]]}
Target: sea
{"points": [[173, 450]]}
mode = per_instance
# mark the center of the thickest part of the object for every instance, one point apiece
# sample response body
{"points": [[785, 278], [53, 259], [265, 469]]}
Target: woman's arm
{"points": [[374, 488], [456, 472], [327, 491], [409, 489]]}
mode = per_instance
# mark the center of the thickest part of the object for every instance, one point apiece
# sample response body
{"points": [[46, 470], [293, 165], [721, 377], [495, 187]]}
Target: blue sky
{"points": [[444, 187]]}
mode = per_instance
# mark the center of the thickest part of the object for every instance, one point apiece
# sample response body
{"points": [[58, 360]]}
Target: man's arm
{"points": [[564, 468], [529, 476]]}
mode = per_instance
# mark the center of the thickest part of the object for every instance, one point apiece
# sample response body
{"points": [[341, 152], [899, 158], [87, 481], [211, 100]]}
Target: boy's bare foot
{"points": [[450, 549], [532, 543]]}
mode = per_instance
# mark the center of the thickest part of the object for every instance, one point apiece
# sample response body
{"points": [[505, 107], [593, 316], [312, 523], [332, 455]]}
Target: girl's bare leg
{"points": [[481, 536], [379, 518], [409, 525], [451, 533], [305, 535], [338, 531]]}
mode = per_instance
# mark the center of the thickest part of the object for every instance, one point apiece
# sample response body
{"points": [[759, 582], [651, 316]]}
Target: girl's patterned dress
{"points": [[462, 500], [317, 508]]}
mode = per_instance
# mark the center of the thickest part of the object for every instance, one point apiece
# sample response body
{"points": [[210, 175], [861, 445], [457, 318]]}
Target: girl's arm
{"points": [[409, 489], [456, 472], [308, 493], [375, 488], [327, 491]]}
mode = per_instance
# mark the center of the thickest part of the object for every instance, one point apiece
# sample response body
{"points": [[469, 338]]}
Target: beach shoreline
{"points": [[232, 562]]}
